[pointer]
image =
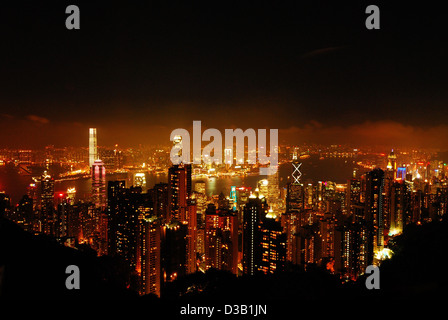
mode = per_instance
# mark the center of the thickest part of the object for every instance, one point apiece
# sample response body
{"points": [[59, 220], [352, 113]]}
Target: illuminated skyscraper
{"points": [[295, 196], [159, 196], [374, 208], [191, 237], [273, 245], [98, 184], [179, 191], [47, 203], [150, 255], [221, 239], [25, 213], [273, 195], [353, 195], [392, 162], [253, 211], [93, 149], [352, 249]]}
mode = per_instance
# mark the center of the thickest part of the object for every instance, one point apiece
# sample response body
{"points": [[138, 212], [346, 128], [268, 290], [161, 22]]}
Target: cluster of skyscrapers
{"points": [[174, 228]]}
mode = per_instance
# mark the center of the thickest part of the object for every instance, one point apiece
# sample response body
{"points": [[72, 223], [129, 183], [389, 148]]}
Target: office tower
{"points": [[115, 191], [229, 225], [159, 196], [150, 254], [295, 194], [392, 162], [179, 191], [123, 209], [93, 149], [47, 203], [60, 216], [242, 197], [374, 208], [253, 211], [191, 237], [295, 197], [272, 245], [212, 243], [353, 193], [74, 221], [221, 239], [327, 232], [32, 193], [98, 184], [291, 223], [200, 196], [352, 254], [273, 192], [400, 206], [25, 213]]}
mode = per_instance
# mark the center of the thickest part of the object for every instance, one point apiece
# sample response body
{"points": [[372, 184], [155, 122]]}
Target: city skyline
{"points": [[227, 150], [325, 77]]}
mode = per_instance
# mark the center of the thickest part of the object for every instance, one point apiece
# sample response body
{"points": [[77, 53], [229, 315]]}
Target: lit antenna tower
{"points": [[93, 150]]}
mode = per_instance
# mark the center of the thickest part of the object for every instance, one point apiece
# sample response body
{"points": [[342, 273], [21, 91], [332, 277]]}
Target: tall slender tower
{"points": [[93, 150], [99, 184], [253, 211], [47, 203]]}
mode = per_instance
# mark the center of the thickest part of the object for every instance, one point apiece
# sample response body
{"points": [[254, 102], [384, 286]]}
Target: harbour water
{"points": [[313, 169]]}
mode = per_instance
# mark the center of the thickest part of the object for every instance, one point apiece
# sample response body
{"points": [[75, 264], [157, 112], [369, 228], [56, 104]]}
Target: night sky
{"points": [[138, 71]]}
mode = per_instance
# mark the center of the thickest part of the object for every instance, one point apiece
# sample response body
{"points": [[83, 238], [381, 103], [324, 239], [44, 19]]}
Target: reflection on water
{"points": [[338, 170]]}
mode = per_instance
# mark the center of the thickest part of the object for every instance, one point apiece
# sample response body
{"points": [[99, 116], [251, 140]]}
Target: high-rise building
{"points": [[98, 184], [47, 203], [124, 207], [25, 213], [93, 148], [353, 193], [352, 249], [150, 254], [173, 251], [159, 196], [212, 242], [253, 211], [273, 245], [392, 162], [273, 194], [221, 239], [179, 191], [191, 237], [374, 215]]}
